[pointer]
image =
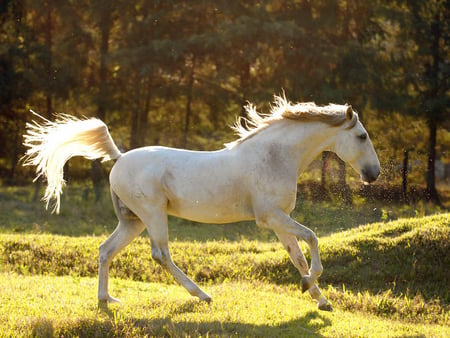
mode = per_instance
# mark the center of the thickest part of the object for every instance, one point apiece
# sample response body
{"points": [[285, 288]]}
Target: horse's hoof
{"points": [[325, 307], [205, 298], [306, 283], [104, 301]]}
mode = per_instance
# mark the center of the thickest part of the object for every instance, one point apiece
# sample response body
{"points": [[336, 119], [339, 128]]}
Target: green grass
{"points": [[47, 306]]}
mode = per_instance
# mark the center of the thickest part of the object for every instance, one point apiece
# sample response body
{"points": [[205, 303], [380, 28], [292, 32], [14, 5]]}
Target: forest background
{"points": [[177, 73]]}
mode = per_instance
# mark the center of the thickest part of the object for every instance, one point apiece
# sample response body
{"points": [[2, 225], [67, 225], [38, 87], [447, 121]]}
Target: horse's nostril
{"points": [[369, 175]]}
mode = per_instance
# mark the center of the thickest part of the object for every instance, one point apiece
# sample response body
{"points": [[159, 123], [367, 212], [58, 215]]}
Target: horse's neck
{"points": [[298, 142], [316, 138]]}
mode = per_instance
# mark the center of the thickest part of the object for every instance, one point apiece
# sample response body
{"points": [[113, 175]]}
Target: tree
{"points": [[102, 16], [432, 37], [180, 71], [416, 55], [14, 83]]}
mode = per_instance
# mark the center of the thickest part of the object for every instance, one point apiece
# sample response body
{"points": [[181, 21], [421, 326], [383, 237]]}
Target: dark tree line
{"points": [[177, 72]]}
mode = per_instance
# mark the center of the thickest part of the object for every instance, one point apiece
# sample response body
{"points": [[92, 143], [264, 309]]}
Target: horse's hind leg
{"points": [[129, 227], [290, 243], [156, 221], [125, 232]]}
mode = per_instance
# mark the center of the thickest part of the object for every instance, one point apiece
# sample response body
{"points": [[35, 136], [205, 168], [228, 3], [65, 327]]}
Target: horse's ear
{"points": [[349, 113]]}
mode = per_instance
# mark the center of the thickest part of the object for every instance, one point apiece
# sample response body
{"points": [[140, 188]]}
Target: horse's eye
{"points": [[363, 137]]}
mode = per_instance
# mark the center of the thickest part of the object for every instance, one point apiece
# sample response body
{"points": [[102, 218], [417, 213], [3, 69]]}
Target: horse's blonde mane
{"points": [[253, 123]]}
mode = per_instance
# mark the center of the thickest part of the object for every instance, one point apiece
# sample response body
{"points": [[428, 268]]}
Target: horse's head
{"points": [[353, 146]]}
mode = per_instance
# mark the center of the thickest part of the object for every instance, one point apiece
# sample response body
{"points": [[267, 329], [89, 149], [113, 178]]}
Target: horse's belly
{"points": [[208, 212]]}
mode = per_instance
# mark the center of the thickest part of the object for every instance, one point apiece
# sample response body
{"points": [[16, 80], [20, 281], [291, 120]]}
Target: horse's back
{"points": [[155, 161]]}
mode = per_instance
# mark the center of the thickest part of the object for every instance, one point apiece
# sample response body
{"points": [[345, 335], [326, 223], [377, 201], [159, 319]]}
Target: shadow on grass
{"points": [[115, 324], [304, 326]]}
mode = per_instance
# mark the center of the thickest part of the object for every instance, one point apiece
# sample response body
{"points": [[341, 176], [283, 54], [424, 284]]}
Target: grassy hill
{"points": [[392, 273]]}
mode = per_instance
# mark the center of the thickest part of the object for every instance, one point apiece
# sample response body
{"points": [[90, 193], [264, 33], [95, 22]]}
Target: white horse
{"points": [[253, 178]]}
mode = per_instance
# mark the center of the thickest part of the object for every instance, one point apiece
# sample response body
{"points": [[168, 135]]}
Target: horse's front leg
{"points": [[280, 222], [290, 243]]}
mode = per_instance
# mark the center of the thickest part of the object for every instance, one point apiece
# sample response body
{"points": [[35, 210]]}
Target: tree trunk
{"points": [[14, 157], [48, 71], [98, 179], [431, 193], [244, 82], [134, 128], [49, 61], [143, 118], [405, 177], [344, 190], [190, 86], [105, 28], [139, 114], [135, 114], [324, 169]]}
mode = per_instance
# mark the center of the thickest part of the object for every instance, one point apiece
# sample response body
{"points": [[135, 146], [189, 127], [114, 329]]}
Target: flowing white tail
{"points": [[52, 144]]}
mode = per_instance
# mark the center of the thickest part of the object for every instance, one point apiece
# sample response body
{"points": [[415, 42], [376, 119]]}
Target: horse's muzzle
{"points": [[370, 173]]}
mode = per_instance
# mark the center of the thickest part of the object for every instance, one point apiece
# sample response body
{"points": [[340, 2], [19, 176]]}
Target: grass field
{"points": [[388, 278], [48, 306]]}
